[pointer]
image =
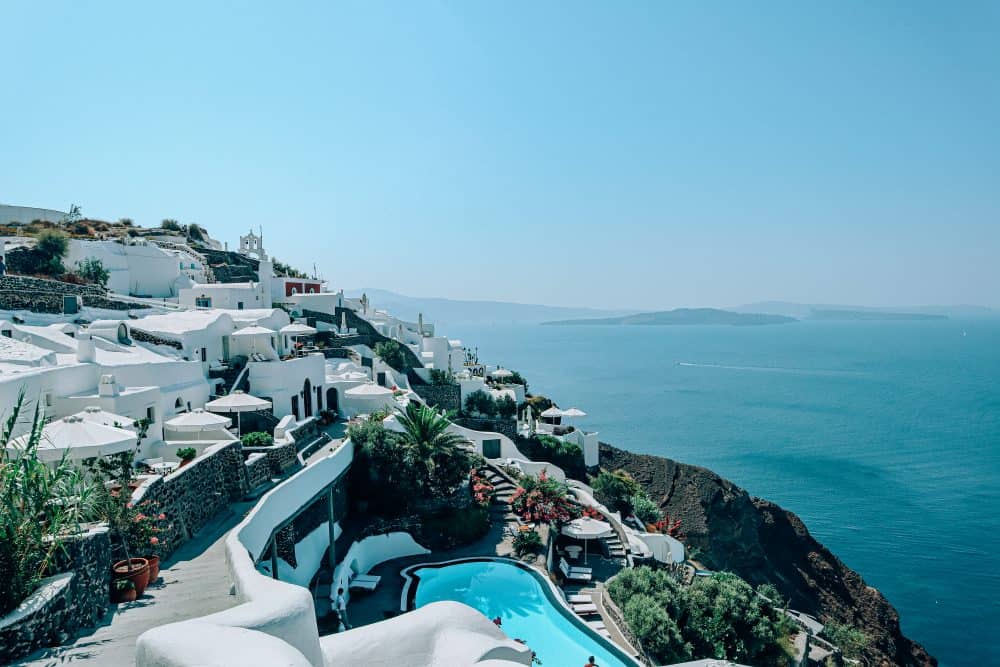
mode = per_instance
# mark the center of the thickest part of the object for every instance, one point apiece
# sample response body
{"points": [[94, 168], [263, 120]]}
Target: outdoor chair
{"points": [[585, 609], [570, 575]]}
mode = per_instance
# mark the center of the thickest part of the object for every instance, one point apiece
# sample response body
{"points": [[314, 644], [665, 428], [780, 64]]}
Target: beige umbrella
{"points": [[238, 402], [586, 529], [78, 439]]}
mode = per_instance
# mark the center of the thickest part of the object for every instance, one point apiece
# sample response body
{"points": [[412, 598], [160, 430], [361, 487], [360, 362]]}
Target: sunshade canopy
{"points": [[238, 401], [78, 439], [196, 421]]}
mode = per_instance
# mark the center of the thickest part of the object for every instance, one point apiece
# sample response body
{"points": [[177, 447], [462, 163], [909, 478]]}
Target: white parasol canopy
{"points": [[238, 401], [96, 415], [252, 331], [501, 373], [368, 389], [552, 412], [196, 421], [586, 529], [78, 439], [574, 412], [297, 329]]}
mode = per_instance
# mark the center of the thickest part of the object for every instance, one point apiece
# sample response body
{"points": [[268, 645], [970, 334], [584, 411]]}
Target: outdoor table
{"points": [[574, 551]]}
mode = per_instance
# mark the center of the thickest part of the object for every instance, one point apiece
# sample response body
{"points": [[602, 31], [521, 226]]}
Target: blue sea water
{"points": [[884, 437]]}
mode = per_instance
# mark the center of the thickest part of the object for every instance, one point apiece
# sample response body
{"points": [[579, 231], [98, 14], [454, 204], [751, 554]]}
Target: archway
{"points": [[307, 400], [331, 400]]}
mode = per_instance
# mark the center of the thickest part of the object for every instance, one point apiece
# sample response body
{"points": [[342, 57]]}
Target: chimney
{"points": [[108, 386], [86, 352]]}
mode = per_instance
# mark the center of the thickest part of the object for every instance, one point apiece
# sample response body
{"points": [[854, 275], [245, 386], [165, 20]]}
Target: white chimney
{"points": [[86, 351], [108, 386]]}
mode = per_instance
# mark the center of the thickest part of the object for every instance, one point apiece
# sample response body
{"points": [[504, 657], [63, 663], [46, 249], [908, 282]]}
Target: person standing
{"points": [[591, 663], [340, 605]]}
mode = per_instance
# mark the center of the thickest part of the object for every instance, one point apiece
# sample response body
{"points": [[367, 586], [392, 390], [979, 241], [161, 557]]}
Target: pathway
{"points": [[193, 582]]}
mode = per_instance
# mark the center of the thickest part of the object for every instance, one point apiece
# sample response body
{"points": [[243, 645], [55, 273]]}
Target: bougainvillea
{"points": [[543, 498], [482, 490], [667, 526]]}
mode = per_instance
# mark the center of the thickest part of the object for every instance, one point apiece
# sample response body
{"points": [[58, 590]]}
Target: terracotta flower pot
{"points": [[125, 595], [154, 568], [138, 573]]}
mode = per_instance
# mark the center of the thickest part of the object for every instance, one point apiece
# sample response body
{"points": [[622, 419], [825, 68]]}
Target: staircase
{"points": [[503, 487], [613, 547]]}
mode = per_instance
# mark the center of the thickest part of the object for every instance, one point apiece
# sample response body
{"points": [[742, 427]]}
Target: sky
{"points": [[622, 155]]}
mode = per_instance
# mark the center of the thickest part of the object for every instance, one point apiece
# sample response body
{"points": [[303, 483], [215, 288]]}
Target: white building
{"points": [[137, 268]]}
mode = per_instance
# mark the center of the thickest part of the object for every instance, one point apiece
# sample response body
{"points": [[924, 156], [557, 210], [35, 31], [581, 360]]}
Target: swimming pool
{"points": [[525, 603]]}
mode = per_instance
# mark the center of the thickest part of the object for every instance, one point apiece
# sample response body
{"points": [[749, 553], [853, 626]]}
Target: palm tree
{"points": [[426, 443]]}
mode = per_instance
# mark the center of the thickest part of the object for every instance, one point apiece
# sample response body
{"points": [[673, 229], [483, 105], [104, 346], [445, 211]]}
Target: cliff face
{"points": [[758, 540]]}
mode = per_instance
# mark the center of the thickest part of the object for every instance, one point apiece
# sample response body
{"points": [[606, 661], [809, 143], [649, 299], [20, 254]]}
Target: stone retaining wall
{"points": [[443, 396], [192, 495], [258, 471], [278, 457], [78, 598], [507, 427], [46, 296]]}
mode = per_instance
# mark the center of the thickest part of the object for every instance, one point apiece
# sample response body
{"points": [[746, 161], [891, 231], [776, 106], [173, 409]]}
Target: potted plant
{"points": [[186, 455], [123, 590], [134, 570]]}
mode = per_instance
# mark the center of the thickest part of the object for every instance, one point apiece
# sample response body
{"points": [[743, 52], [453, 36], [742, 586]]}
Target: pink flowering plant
{"points": [[482, 490], [543, 499], [147, 528]]}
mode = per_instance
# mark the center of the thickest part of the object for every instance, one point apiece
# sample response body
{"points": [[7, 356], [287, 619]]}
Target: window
{"points": [[8, 333], [203, 302], [151, 414], [204, 354], [239, 305]]}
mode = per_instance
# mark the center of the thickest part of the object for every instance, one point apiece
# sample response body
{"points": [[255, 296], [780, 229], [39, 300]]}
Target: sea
{"points": [[884, 437]]}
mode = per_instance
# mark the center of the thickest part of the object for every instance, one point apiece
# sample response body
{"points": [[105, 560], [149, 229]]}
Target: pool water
{"points": [[517, 596]]}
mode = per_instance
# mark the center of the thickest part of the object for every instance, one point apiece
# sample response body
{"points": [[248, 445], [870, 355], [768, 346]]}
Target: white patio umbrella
{"points": [[368, 389], [297, 329], [252, 331], [586, 529], [552, 412], [501, 373], [574, 412], [238, 402], [96, 415], [78, 439], [197, 421]]}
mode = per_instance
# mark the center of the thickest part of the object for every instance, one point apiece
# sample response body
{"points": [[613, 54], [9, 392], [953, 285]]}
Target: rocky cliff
{"points": [[730, 530]]}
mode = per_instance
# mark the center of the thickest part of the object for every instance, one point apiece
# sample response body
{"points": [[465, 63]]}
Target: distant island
{"points": [[684, 316], [871, 315]]}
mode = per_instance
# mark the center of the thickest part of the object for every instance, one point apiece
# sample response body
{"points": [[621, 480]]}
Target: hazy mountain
{"points": [[804, 311], [685, 316], [457, 311]]}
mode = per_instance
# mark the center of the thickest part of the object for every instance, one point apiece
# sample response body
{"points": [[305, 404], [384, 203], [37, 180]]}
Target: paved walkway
{"points": [[194, 582]]}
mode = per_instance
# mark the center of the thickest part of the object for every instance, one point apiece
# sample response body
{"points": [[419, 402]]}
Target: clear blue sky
{"points": [[640, 155]]}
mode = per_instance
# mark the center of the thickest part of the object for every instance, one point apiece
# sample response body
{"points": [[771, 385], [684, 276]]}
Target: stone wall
{"points": [[46, 296], [278, 458], [507, 427], [146, 337], [75, 599], [258, 471], [443, 396], [192, 495]]}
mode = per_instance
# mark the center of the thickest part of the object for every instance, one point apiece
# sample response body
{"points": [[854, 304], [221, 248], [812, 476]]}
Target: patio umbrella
{"points": [[574, 412], [586, 529], [78, 439], [96, 415], [252, 331], [238, 402], [552, 412], [501, 373], [196, 421], [297, 329]]}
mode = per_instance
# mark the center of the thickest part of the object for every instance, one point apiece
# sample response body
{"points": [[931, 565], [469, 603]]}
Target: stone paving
{"points": [[193, 582]]}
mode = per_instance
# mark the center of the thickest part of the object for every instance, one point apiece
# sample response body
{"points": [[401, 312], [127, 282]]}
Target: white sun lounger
{"points": [[579, 598], [573, 568], [570, 575], [364, 582], [597, 625], [583, 609]]}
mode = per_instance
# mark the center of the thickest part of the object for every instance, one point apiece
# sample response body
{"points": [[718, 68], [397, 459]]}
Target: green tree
{"points": [[390, 352], [645, 509], [616, 490], [441, 459], [195, 232], [655, 629], [50, 247], [92, 270], [480, 403], [171, 225], [506, 407], [851, 641], [257, 439]]}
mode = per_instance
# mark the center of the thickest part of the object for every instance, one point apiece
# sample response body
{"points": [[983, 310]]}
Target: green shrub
{"points": [[480, 403], [92, 270], [391, 353], [257, 439], [455, 528], [442, 378], [616, 490], [851, 641], [645, 509], [50, 248], [527, 542], [721, 617], [566, 455], [506, 407], [171, 225], [186, 453]]}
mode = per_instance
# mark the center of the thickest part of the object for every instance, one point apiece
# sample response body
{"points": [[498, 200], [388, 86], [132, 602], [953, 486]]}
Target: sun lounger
{"points": [[572, 575], [578, 598], [364, 582], [583, 609], [573, 568], [597, 625]]}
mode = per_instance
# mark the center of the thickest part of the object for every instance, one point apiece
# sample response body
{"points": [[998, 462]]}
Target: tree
{"points": [[92, 270], [441, 459], [851, 641], [125, 222], [171, 225], [480, 403], [506, 407], [616, 490], [196, 232], [391, 353], [645, 509], [257, 439], [51, 246]]}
